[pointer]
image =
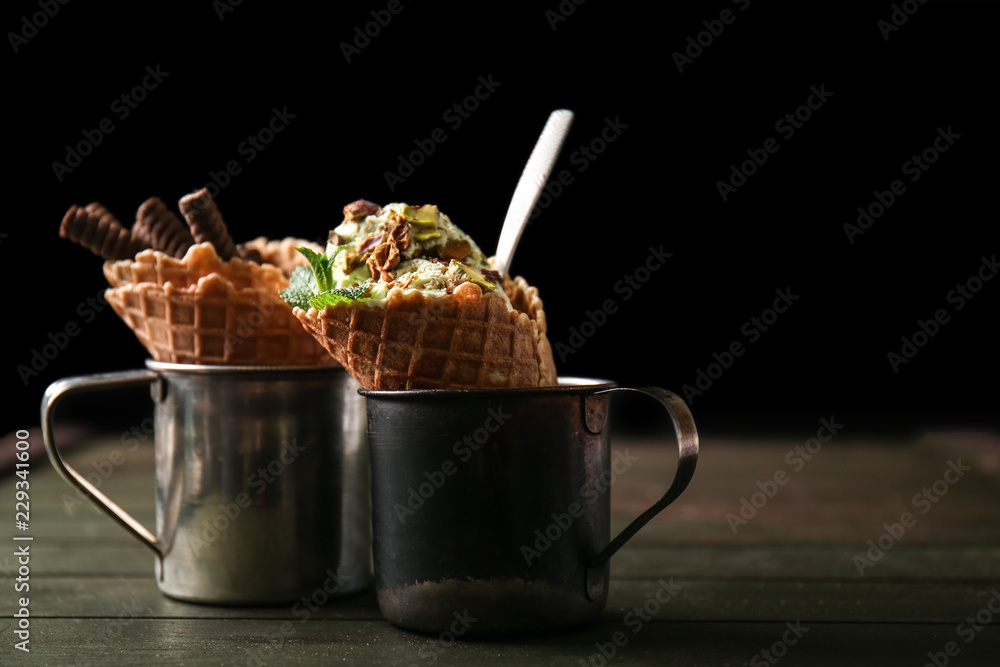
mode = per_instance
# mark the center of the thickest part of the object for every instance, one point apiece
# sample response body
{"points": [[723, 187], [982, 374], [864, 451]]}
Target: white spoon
{"points": [[529, 186]]}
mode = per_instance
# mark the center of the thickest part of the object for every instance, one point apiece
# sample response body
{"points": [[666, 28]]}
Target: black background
{"points": [[654, 185]]}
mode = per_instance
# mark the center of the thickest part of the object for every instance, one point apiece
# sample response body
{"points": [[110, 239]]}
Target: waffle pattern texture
{"points": [[202, 310], [463, 340]]}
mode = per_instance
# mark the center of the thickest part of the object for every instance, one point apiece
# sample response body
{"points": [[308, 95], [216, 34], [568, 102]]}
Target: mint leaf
{"points": [[340, 295], [301, 288], [312, 286], [322, 266]]}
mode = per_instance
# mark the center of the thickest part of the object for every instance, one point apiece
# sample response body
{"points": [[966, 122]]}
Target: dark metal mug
{"points": [[262, 492], [491, 507]]}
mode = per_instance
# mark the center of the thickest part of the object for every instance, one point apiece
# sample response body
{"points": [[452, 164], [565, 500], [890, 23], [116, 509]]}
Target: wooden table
{"points": [[827, 569]]}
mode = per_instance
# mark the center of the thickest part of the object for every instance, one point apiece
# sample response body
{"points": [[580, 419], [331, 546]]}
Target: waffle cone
{"points": [[159, 268], [462, 340], [203, 310], [282, 253]]}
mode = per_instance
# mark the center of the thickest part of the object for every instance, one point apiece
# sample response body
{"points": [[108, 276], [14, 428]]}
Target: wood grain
{"points": [[93, 597]]}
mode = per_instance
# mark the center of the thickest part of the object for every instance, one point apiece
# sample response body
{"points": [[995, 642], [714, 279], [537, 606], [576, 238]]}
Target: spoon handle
{"points": [[529, 186]]}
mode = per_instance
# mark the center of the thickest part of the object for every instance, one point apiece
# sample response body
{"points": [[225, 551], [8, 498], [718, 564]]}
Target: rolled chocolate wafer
{"points": [[248, 254], [97, 230], [158, 227], [206, 223]]}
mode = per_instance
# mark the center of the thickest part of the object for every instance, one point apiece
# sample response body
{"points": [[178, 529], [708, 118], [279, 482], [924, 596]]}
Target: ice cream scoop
{"points": [[404, 299], [395, 247]]}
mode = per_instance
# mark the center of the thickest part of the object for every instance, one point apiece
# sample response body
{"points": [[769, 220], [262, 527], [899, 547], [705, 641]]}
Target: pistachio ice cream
{"points": [[395, 247], [404, 299]]}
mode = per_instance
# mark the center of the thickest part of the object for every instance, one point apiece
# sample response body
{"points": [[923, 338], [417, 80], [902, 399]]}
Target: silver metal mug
{"points": [[491, 508], [262, 484]]}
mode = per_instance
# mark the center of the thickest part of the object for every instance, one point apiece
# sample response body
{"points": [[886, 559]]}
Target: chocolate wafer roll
{"points": [[248, 254], [206, 223], [97, 230], [158, 227]]}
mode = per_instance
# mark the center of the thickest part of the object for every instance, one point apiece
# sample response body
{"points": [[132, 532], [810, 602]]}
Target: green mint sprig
{"points": [[301, 288], [312, 286], [322, 266], [340, 295]]}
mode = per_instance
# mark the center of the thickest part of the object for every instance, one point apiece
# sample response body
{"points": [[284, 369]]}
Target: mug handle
{"points": [[59, 390], [687, 444]]}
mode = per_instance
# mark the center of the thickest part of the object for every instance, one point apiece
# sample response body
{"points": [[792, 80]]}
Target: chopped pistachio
{"points": [[424, 216], [456, 250], [475, 277], [424, 240]]}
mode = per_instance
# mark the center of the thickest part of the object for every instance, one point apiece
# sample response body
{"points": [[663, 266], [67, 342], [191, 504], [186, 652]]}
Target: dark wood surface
{"points": [[785, 587]]}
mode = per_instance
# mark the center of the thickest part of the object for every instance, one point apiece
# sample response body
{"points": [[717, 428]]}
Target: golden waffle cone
{"points": [[159, 268], [282, 253], [524, 298], [202, 310], [463, 340]]}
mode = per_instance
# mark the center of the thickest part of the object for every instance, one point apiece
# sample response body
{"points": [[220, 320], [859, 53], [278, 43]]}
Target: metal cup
{"points": [[262, 485], [491, 508]]}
